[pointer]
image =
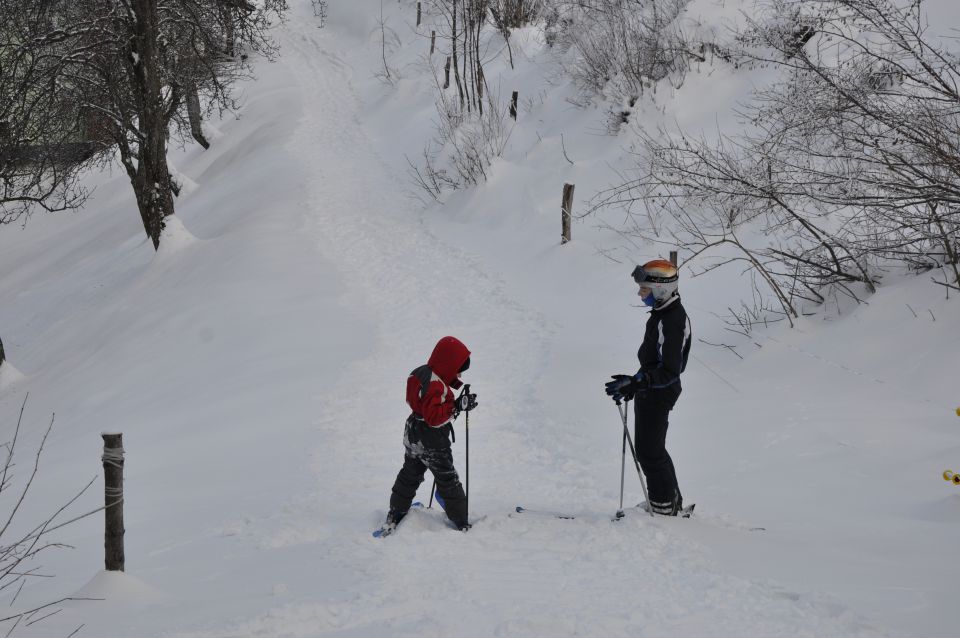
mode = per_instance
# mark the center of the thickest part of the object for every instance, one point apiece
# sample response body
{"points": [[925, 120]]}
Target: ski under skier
{"points": [[428, 431], [655, 388]]}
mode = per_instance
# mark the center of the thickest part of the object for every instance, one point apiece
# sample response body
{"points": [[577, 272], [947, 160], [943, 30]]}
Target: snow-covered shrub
{"points": [[465, 146], [517, 13], [624, 47], [471, 129], [22, 542]]}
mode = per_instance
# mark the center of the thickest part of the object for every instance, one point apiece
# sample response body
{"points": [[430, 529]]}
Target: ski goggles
{"points": [[643, 277]]}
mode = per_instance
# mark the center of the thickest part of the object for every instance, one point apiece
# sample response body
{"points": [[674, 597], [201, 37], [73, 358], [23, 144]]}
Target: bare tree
{"points": [[45, 136], [846, 165], [862, 122], [145, 69]]}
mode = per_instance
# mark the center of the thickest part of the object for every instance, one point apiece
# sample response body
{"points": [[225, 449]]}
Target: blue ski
{"points": [[389, 528]]}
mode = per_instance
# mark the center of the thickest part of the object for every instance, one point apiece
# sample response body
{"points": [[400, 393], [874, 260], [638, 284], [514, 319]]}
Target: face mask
{"points": [[649, 300]]}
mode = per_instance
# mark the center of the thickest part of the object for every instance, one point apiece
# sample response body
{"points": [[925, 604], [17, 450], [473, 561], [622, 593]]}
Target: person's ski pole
{"points": [[623, 466], [432, 490], [624, 412]]}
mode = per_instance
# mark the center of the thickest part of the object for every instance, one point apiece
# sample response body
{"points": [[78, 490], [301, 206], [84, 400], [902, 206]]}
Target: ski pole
{"points": [[623, 466], [432, 490], [624, 412], [467, 492]]}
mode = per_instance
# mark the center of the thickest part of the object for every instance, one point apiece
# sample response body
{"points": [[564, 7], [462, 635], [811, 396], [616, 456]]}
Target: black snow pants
{"points": [[428, 448], [651, 412]]}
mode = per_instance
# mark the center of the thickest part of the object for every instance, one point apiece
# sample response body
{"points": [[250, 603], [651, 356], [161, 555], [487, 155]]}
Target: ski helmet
{"points": [[660, 277]]}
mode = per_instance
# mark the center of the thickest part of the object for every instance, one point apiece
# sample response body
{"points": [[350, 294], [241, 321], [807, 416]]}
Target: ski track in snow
{"points": [[510, 576]]}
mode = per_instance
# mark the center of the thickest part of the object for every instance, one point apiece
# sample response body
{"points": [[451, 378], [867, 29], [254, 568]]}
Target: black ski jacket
{"points": [[666, 345]]}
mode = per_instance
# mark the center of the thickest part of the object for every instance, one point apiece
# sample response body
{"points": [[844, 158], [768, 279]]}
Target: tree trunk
{"points": [[196, 119], [152, 188], [151, 180], [229, 32], [456, 64]]}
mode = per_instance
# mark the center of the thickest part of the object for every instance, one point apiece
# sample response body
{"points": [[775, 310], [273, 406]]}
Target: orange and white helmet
{"points": [[660, 277]]}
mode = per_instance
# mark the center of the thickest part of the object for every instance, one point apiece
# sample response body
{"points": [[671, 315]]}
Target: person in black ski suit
{"points": [[656, 386], [427, 432]]}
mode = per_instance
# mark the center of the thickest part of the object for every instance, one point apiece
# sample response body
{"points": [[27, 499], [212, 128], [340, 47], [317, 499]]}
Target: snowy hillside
{"points": [[256, 366]]}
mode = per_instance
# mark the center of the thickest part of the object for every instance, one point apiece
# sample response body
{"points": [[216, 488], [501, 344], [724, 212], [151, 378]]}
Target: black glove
{"points": [[466, 401], [624, 387]]}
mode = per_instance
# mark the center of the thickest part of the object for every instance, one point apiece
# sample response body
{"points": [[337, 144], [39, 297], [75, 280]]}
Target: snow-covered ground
{"points": [[256, 366]]}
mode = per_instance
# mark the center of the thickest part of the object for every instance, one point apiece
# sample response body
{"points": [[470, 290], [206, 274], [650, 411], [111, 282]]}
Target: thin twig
{"points": [[564, 147], [721, 345], [944, 284], [733, 387], [22, 583], [52, 613], [36, 609]]}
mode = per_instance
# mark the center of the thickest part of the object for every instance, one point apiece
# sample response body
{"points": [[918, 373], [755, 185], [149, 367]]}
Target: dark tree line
{"points": [[84, 79]]}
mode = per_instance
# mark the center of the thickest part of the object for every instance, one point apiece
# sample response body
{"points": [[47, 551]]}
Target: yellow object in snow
{"points": [[951, 476]]}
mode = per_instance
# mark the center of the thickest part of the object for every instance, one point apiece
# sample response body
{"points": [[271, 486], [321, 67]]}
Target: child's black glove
{"points": [[466, 401]]}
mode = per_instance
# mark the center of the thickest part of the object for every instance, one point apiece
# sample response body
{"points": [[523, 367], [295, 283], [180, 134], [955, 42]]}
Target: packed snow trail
{"points": [[508, 576]]}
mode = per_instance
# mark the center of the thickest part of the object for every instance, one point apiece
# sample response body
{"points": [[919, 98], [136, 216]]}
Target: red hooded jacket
{"points": [[430, 387]]}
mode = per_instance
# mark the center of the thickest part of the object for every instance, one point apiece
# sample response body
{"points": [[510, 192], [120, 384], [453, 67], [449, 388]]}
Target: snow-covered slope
{"points": [[256, 367]]}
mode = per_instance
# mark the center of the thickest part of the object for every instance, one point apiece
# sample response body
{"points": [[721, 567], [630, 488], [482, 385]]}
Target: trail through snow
{"points": [[510, 576]]}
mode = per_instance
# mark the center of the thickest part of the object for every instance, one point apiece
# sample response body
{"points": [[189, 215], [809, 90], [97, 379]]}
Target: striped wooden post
{"points": [[113, 501], [566, 212]]}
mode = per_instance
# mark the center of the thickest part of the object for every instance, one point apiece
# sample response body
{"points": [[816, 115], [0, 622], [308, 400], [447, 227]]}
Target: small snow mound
{"points": [[187, 185], [175, 236], [211, 132], [119, 587], [9, 375]]}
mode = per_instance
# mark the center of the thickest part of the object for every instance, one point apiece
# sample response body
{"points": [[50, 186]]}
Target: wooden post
{"points": [[673, 257], [513, 105], [433, 41], [446, 74], [566, 212], [418, 14], [113, 500]]}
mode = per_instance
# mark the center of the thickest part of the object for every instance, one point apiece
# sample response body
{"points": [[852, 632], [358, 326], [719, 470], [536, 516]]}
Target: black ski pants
{"points": [[651, 412], [428, 448]]}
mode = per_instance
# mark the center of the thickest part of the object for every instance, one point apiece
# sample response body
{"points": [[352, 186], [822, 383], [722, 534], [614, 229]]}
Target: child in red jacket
{"points": [[426, 436]]}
